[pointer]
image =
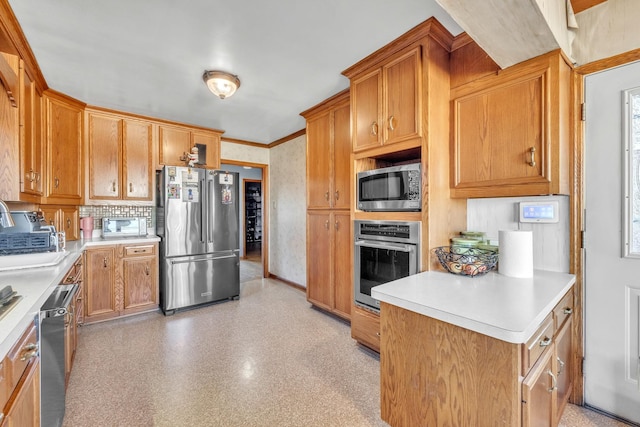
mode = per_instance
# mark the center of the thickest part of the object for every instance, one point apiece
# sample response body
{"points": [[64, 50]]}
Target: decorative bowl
{"points": [[473, 262]]}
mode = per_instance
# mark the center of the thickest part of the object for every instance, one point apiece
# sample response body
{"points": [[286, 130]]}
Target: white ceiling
{"points": [[148, 56]]}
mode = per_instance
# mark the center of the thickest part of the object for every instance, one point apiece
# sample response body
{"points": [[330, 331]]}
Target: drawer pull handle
{"points": [[130, 187], [545, 342], [30, 346], [378, 333], [568, 310], [113, 186], [28, 355], [146, 270], [554, 382], [532, 151], [137, 251], [326, 196], [104, 262], [391, 126], [326, 224], [337, 195], [56, 182]]}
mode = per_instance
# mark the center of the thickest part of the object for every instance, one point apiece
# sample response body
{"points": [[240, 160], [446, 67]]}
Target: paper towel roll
{"points": [[515, 257]]}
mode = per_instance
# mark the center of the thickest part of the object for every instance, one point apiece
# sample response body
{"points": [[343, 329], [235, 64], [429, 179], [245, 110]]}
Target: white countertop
{"points": [[502, 307], [36, 284]]}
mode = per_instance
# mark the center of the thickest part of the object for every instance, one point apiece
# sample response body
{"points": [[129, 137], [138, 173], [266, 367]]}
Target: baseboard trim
{"points": [[288, 282]]}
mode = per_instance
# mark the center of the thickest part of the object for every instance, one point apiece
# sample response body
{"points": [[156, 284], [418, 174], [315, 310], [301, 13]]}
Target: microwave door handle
{"points": [[392, 246]]}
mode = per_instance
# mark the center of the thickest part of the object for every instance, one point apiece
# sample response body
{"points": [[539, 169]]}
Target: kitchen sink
{"points": [[45, 259]]}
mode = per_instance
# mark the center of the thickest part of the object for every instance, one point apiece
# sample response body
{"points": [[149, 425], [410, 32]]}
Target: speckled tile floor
{"points": [[267, 359]]}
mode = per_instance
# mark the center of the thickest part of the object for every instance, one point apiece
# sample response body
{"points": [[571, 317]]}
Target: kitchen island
{"points": [[468, 351]]}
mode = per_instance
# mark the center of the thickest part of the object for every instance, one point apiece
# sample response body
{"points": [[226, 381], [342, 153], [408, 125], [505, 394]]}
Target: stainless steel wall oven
{"points": [[384, 251]]}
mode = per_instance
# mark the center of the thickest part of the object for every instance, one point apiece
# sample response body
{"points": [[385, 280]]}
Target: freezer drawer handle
{"points": [[202, 259]]}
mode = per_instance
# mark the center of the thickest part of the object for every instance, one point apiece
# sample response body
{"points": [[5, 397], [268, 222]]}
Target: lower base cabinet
{"points": [[120, 280], [20, 381], [365, 328]]}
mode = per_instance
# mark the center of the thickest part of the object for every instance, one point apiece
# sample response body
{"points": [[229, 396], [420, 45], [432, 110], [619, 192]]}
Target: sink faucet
{"points": [[6, 220]]}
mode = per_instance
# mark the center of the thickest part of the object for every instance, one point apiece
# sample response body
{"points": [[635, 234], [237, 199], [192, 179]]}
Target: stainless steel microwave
{"points": [[124, 227], [396, 188]]}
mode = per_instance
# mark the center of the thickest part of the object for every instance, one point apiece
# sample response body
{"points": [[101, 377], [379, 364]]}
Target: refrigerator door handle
{"points": [[210, 202], [186, 261], [203, 206]]}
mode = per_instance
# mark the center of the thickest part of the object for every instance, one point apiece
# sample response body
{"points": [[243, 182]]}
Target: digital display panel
{"points": [[539, 211]]}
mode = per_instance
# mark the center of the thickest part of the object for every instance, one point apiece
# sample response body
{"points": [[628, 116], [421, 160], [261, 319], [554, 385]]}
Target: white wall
{"points": [[287, 203], [287, 211], [550, 241]]}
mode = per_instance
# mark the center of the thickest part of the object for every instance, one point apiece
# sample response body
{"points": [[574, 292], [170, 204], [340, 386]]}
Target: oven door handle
{"points": [[391, 246]]}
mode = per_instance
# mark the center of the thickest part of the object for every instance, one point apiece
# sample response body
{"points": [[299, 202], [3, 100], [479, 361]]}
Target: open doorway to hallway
{"points": [[253, 233]]}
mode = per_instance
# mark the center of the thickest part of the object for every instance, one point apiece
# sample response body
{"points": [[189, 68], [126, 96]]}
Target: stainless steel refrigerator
{"points": [[197, 221]]}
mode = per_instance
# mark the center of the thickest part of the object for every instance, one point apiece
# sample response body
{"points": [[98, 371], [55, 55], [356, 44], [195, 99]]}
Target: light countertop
{"points": [[502, 307], [36, 284]]}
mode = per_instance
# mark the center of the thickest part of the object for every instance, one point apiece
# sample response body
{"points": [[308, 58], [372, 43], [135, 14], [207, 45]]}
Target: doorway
{"points": [[252, 218], [611, 285]]}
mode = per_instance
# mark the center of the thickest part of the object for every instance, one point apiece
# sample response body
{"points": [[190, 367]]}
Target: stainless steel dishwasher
{"points": [[52, 354]]}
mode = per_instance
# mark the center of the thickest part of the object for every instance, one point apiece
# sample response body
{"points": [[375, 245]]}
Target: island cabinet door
{"points": [[100, 298], [538, 393]]}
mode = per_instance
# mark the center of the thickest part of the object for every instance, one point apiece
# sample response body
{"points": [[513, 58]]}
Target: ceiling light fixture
{"points": [[221, 83]]}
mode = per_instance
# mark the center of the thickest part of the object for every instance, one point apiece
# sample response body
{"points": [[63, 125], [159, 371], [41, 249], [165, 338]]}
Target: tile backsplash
{"points": [[99, 212]]}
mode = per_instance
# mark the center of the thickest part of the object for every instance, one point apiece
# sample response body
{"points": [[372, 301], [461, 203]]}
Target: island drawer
{"points": [[563, 311], [540, 341], [20, 356]]}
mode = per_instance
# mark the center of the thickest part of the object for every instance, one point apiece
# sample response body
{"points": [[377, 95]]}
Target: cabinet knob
{"points": [[532, 152], [391, 125], [374, 128], [568, 310]]}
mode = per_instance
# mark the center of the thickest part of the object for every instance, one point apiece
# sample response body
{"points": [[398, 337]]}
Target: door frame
{"points": [[578, 206], [265, 212]]}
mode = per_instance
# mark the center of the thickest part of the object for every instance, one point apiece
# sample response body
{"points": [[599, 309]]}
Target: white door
{"points": [[612, 280]]}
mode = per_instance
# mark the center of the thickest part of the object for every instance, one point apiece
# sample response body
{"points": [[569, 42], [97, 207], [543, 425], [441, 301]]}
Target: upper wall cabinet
{"points": [[63, 118], [31, 142], [9, 128], [385, 101], [328, 154], [120, 151], [510, 132], [176, 142]]}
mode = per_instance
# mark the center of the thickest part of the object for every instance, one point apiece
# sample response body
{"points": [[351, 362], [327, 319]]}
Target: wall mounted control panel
{"points": [[539, 212]]}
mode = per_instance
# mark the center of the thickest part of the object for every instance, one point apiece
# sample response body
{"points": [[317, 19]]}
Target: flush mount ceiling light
{"points": [[221, 83]]}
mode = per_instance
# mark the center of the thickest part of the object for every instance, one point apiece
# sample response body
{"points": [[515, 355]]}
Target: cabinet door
{"points": [[342, 276], [538, 394], [137, 158], [31, 136], [25, 409], [402, 90], [563, 366], [342, 157], [366, 99], [9, 128], [140, 282], [174, 144], [51, 215], [69, 222], [319, 286], [211, 144], [100, 295], [318, 162], [104, 156], [64, 141]]}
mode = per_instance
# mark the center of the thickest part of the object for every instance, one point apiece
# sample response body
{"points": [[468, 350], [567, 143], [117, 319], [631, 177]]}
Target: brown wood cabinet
{"points": [[9, 128], [21, 405], [329, 242], [120, 151], [63, 218], [431, 371], [510, 131], [31, 141], [365, 327], [74, 317], [175, 142], [139, 268], [329, 281], [328, 154], [121, 280], [386, 101], [63, 118]]}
